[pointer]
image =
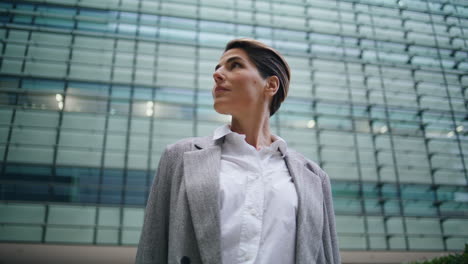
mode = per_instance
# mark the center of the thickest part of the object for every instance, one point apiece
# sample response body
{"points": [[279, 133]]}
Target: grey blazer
{"points": [[182, 222]]}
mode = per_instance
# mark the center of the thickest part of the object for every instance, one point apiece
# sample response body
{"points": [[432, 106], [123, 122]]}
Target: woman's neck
{"points": [[255, 128]]}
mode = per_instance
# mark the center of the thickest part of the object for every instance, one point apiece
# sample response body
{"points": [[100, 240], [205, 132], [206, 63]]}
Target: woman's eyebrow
{"points": [[233, 58]]}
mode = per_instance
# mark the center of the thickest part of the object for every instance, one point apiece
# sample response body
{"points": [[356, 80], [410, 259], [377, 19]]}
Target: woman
{"points": [[241, 195]]}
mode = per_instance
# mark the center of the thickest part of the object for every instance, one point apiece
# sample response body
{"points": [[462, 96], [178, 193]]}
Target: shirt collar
{"points": [[278, 143]]}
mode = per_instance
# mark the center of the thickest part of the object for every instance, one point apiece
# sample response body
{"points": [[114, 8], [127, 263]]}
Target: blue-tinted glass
{"points": [[88, 89], [25, 6], [389, 191], [22, 19], [147, 31], [172, 95], [175, 22], [95, 13], [129, 17], [64, 193], [94, 26], [264, 32], [119, 107], [111, 196], [143, 93], [78, 175], [8, 98], [137, 179], [454, 208], [417, 192], [112, 186], [135, 197], [370, 190], [28, 173], [149, 19], [54, 22], [127, 28], [452, 193], [88, 194], [112, 178], [43, 85], [56, 10], [216, 26], [347, 189], [323, 38], [289, 46], [9, 82], [25, 192], [121, 91], [290, 34], [177, 35], [6, 18], [392, 207], [6, 5]]}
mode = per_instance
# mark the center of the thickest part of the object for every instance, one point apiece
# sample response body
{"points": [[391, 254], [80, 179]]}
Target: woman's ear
{"points": [[272, 85]]}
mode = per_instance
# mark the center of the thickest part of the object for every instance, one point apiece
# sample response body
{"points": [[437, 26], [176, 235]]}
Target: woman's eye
{"points": [[235, 65]]}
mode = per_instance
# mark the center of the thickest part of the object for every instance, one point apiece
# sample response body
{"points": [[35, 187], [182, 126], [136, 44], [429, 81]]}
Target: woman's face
{"points": [[239, 87]]}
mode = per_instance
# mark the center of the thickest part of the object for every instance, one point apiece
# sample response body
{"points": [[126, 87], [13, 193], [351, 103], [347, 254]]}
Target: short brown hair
{"points": [[269, 62]]}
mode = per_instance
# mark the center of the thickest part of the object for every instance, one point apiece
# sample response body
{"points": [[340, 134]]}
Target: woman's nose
{"points": [[217, 76]]}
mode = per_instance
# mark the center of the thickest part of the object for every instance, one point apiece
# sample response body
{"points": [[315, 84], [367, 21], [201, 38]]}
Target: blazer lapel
{"points": [[201, 170], [309, 222]]}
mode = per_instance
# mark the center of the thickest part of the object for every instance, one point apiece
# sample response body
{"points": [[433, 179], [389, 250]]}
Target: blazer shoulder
{"points": [[186, 144], [309, 164]]}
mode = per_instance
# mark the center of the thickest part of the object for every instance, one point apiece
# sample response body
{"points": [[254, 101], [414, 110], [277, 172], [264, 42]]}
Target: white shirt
{"points": [[258, 202]]}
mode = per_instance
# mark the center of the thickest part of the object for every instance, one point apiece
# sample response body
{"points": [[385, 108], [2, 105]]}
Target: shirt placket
{"points": [[252, 216]]}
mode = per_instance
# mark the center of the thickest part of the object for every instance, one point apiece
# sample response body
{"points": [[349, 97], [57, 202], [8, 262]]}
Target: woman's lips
{"points": [[220, 89]]}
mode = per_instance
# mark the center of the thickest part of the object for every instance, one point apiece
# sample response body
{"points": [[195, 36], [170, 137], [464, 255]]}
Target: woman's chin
{"points": [[221, 110]]}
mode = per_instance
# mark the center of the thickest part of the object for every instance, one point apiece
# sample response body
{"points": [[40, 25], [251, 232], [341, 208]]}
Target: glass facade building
{"points": [[92, 91]]}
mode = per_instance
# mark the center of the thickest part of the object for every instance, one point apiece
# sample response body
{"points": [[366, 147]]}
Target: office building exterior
{"points": [[92, 91]]}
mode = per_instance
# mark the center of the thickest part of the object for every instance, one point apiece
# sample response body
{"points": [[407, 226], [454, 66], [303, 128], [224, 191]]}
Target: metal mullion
{"points": [[353, 125], [434, 187], [276, 118], [150, 148], [127, 136], [154, 95], [390, 133], [378, 168], [254, 19], [236, 18], [104, 147], [313, 92], [196, 71], [314, 113], [47, 209], [129, 125], [57, 139], [313, 86]]}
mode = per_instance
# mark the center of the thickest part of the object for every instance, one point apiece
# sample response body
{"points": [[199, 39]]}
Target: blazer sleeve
{"points": [[330, 240], [153, 245]]}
